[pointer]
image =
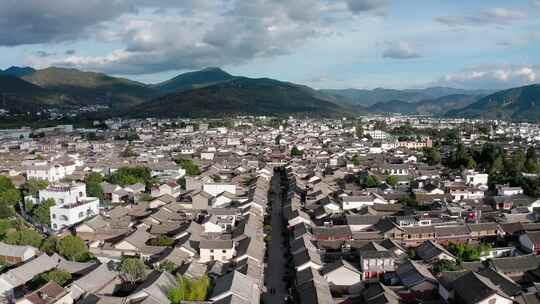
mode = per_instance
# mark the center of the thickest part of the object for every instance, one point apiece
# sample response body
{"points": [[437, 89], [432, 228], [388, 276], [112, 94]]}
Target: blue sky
{"points": [[321, 43]]}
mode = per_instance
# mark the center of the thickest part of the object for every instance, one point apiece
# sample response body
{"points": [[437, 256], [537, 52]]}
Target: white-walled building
{"points": [[72, 204], [217, 188], [46, 171], [473, 178]]}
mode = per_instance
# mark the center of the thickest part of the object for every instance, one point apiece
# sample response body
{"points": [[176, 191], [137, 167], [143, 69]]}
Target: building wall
{"points": [[215, 189], [207, 255]]}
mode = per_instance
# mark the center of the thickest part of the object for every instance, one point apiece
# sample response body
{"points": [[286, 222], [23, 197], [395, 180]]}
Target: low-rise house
{"points": [[472, 288], [19, 276], [313, 288], [235, 287], [161, 200], [44, 170], [530, 241], [362, 222], [307, 258], [417, 279], [216, 250], [375, 261], [154, 289], [431, 252], [94, 282], [50, 293], [103, 228], [14, 254], [169, 188], [505, 190], [341, 273]]}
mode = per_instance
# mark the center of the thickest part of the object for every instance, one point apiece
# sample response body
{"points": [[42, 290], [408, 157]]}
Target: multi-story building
{"points": [[72, 204]]}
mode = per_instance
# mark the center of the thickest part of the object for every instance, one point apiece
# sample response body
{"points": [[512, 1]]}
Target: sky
{"points": [[364, 44]]}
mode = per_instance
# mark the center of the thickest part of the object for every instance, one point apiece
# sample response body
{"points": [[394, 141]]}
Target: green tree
{"points": [[10, 197], [408, 201], [356, 160], [61, 277], [191, 168], [189, 290], [497, 165], [359, 131], [93, 185], [134, 269], [466, 252], [445, 265], [5, 226], [131, 175], [33, 186], [6, 211], [371, 182], [167, 266], [531, 161], [42, 213], [182, 182], [515, 165], [162, 240], [392, 180], [295, 152], [23, 237], [5, 184], [73, 248], [432, 155], [49, 245]]}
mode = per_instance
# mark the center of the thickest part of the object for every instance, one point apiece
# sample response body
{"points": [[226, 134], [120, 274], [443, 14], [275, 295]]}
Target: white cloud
{"points": [[491, 77], [230, 32], [497, 16], [400, 50]]}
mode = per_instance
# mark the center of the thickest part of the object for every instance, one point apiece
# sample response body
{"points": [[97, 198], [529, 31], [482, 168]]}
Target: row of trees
{"points": [[466, 252], [494, 160], [9, 197], [15, 232], [131, 175], [186, 289]]}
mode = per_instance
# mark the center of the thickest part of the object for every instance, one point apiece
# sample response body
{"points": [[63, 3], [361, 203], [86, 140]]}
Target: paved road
{"points": [[276, 263]]}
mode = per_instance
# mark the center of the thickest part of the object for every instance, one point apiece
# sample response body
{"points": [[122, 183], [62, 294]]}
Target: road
{"points": [[276, 263]]}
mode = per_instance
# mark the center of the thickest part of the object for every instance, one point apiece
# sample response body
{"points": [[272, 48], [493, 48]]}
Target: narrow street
{"points": [[276, 263]]}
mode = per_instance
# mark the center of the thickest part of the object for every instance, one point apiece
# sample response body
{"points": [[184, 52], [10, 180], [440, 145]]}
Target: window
{"points": [[81, 214], [224, 251], [53, 216]]}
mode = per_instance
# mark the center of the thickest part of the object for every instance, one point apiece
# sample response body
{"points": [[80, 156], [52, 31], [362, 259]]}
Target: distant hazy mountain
{"points": [[392, 106], [435, 106], [241, 95], [92, 88], [370, 97], [17, 71], [521, 103], [193, 80]]}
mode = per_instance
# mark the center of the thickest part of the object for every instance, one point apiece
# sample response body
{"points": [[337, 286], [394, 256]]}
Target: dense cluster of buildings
{"points": [[345, 240]]}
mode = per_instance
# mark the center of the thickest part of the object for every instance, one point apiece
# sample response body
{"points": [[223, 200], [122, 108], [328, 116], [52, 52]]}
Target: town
{"points": [[257, 209]]}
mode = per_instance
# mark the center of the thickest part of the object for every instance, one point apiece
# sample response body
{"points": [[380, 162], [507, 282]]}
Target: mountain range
{"points": [[520, 104], [212, 92], [370, 97]]}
